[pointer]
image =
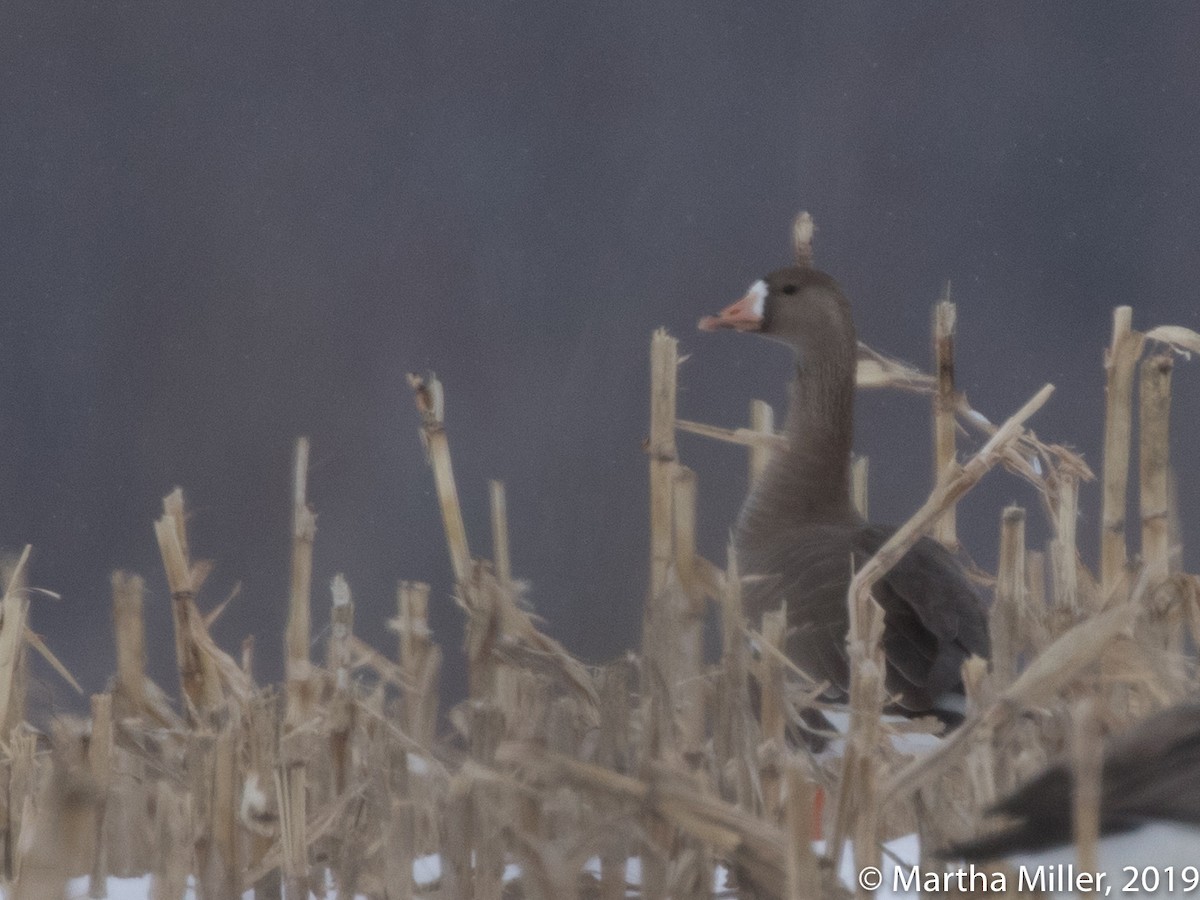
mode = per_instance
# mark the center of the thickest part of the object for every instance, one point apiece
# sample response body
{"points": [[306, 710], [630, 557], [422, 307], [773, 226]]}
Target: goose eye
{"points": [[789, 289]]}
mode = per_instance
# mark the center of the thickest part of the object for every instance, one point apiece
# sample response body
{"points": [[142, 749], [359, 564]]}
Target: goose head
{"points": [[797, 306]]}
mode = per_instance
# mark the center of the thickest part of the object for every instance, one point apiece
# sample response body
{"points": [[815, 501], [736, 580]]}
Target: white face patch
{"points": [[759, 291]]}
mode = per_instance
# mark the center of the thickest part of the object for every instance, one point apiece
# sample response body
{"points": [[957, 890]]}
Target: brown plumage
{"points": [[1150, 774], [799, 535]]}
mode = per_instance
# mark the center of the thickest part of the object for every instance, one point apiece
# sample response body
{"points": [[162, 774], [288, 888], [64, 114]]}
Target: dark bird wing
{"points": [[1150, 773], [933, 618]]}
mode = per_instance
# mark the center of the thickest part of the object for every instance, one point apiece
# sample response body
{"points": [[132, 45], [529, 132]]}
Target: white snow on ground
{"points": [[915, 743], [903, 851], [129, 889], [428, 869], [1158, 846], [1160, 859]]}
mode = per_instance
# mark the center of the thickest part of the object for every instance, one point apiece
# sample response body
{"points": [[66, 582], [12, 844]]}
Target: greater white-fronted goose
{"points": [[798, 534]]}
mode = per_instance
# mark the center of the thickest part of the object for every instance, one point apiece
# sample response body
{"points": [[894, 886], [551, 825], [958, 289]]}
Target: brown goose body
{"points": [[798, 537]]}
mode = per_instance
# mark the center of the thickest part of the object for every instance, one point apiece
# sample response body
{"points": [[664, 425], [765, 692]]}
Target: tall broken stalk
{"points": [[341, 707], [858, 796], [299, 624], [1154, 463], [197, 669], [14, 610], [1064, 555], [944, 403], [128, 590], [860, 469], [500, 551], [762, 421], [1009, 607], [664, 362], [1119, 363], [420, 660], [429, 399], [1087, 760], [661, 610]]}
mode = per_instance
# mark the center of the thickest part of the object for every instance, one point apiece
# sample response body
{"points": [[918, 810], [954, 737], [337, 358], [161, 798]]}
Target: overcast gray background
{"points": [[223, 229]]}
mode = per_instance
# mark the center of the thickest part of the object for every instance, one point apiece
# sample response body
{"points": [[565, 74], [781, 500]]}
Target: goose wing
{"points": [[1150, 773], [933, 618]]}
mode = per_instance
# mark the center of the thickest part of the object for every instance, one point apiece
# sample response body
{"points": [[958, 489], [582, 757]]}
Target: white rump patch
{"points": [[759, 292]]}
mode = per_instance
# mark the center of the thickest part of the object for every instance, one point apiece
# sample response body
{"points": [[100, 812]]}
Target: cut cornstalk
{"points": [[341, 707], [664, 364], [1119, 362], [1154, 463], [857, 792], [860, 469], [944, 403], [196, 675], [1064, 553], [419, 661], [128, 591], [499, 511], [745, 437], [690, 612], [1010, 606], [1087, 760], [429, 399], [100, 754], [299, 624], [774, 712], [762, 421], [15, 611], [291, 792]]}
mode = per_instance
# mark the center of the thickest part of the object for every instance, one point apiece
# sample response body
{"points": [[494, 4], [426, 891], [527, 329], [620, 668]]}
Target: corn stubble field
{"points": [[553, 774]]}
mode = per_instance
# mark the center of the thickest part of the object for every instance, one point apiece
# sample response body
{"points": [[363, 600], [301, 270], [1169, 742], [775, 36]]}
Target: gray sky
{"points": [[222, 230]]}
